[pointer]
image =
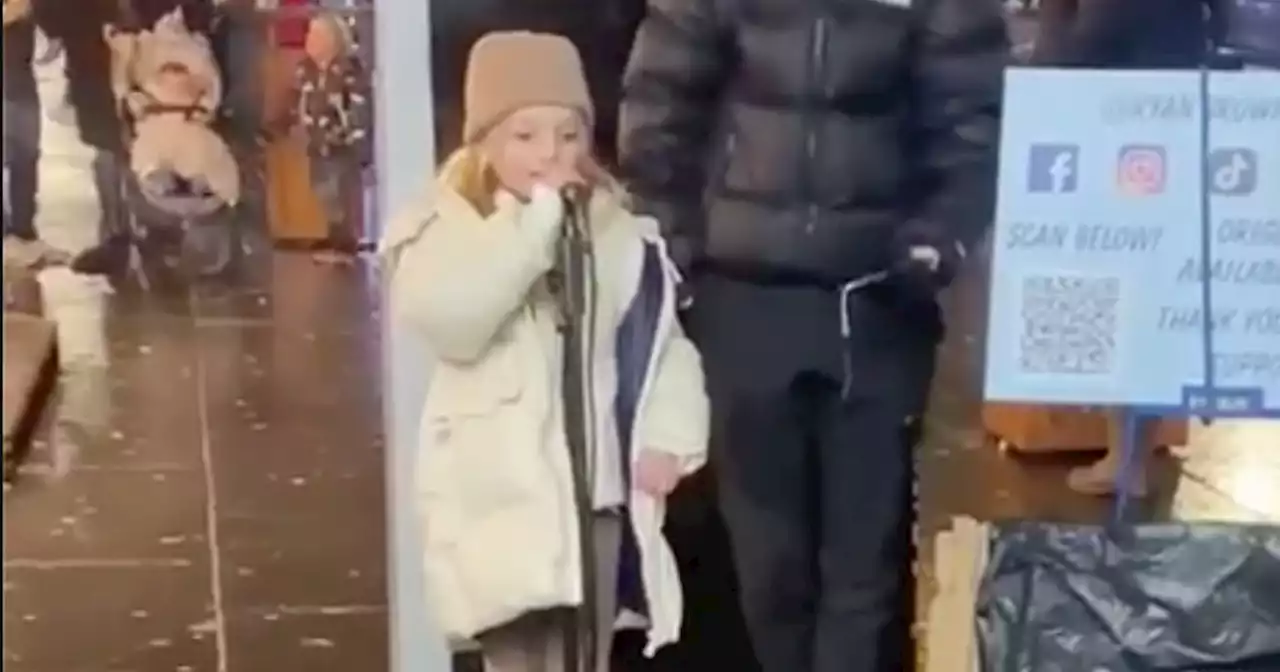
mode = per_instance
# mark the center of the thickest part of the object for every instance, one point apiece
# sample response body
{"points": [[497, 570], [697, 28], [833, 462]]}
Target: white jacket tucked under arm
{"points": [[495, 491]]}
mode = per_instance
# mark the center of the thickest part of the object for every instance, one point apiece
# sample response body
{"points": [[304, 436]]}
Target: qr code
{"points": [[1069, 324]]}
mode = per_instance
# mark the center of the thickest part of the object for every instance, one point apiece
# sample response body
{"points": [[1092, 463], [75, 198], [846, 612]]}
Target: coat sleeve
{"points": [[457, 282], [961, 52], [1100, 33], [677, 416], [358, 94], [671, 88], [1053, 30]]}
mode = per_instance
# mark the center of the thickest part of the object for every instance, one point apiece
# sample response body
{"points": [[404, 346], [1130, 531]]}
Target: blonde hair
{"points": [[339, 29], [15, 10], [469, 175]]}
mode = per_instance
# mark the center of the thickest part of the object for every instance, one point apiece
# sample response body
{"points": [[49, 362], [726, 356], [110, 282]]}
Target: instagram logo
{"points": [[1142, 170]]}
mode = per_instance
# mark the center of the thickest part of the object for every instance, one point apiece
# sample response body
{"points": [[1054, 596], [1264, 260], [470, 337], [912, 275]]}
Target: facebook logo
{"points": [[1233, 171], [1053, 169]]}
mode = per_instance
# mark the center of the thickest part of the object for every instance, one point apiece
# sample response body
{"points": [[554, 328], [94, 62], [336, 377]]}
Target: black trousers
{"points": [[816, 485]]}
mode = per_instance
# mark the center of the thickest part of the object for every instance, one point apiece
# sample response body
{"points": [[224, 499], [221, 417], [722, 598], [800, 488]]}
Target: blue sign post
{"points": [[1137, 249], [1136, 259]]}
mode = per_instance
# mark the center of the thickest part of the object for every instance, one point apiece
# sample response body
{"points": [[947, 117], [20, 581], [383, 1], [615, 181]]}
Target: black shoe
{"points": [[111, 257]]}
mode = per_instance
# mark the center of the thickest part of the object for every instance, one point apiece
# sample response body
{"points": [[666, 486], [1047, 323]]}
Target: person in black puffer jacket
{"points": [[817, 165]]}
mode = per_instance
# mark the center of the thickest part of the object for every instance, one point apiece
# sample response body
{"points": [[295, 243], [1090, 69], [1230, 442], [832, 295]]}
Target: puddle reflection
{"points": [[81, 410], [1231, 469], [82, 417]]}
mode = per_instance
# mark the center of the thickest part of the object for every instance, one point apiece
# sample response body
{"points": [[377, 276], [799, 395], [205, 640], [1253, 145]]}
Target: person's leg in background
{"points": [[764, 476], [246, 222], [1101, 479], [327, 182], [111, 255], [344, 233], [865, 609], [22, 156], [867, 439], [23, 247], [867, 548], [758, 343], [816, 488]]}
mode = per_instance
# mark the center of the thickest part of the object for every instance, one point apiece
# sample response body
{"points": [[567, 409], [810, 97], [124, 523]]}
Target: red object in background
{"points": [[291, 31]]}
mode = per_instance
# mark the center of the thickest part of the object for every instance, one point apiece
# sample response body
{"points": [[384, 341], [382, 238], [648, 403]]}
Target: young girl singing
{"points": [[469, 269]]}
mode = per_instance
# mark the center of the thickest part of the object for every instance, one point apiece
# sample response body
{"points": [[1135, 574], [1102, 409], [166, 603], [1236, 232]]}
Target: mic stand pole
{"points": [[577, 274]]}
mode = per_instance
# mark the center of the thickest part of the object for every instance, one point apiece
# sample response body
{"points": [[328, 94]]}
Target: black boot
{"points": [[110, 257]]}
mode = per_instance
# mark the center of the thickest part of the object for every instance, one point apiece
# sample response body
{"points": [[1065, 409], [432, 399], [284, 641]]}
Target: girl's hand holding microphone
{"points": [[541, 215], [539, 218]]}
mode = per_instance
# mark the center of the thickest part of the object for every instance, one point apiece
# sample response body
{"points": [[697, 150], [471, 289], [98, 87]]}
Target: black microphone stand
{"points": [[574, 298]]}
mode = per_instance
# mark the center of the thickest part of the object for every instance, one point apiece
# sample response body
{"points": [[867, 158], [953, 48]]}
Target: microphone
{"points": [[575, 194]]}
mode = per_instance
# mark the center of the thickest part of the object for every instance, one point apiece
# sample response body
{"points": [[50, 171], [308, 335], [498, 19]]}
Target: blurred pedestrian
{"points": [[331, 110]]}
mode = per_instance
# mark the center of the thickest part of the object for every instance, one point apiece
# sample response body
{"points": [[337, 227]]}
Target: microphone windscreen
{"points": [[575, 193]]}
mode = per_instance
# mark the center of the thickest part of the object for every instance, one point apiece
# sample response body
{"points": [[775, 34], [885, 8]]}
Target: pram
{"points": [[179, 191]]}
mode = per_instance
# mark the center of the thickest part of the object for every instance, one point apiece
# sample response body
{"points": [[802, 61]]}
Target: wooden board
{"points": [[29, 344], [293, 211], [1031, 428]]}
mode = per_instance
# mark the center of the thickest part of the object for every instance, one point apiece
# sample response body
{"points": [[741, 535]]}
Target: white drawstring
{"points": [[847, 290], [669, 266], [846, 324]]}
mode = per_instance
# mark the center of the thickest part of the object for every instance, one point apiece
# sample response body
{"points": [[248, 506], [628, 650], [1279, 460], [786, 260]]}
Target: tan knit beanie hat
{"points": [[510, 70]]}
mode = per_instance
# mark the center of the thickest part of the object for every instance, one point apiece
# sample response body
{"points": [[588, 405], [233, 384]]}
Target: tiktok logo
{"points": [[1053, 169], [1233, 171]]}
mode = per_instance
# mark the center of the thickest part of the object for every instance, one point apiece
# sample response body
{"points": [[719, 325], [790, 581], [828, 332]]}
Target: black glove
{"points": [[925, 259]]}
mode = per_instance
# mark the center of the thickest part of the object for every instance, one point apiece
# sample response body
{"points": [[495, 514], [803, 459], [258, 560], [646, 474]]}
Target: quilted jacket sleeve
{"points": [[962, 49], [457, 279], [670, 93], [1130, 33], [677, 416]]}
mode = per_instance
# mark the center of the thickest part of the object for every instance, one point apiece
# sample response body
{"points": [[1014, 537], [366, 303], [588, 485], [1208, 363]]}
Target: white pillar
{"points": [[405, 161]]}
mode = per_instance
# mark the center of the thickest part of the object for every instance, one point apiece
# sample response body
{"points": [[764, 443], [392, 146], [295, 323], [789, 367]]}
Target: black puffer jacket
{"points": [[88, 63], [1127, 33], [795, 138]]}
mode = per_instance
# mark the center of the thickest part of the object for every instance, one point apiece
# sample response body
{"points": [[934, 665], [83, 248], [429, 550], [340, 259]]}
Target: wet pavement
{"points": [[207, 495]]}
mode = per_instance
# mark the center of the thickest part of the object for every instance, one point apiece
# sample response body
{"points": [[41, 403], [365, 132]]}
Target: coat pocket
{"points": [[482, 445], [478, 389]]}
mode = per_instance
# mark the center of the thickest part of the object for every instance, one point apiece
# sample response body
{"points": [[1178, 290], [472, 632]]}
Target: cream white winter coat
{"points": [[495, 487]]}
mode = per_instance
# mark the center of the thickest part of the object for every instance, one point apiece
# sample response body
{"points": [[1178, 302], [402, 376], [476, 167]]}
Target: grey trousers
{"points": [[336, 182], [535, 642], [21, 156]]}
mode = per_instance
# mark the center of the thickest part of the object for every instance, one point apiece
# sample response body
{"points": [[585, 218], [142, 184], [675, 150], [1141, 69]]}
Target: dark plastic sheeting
{"points": [[1156, 598]]}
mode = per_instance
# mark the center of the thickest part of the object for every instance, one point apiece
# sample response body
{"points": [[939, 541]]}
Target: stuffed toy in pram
{"points": [[168, 85], [15, 10]]}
